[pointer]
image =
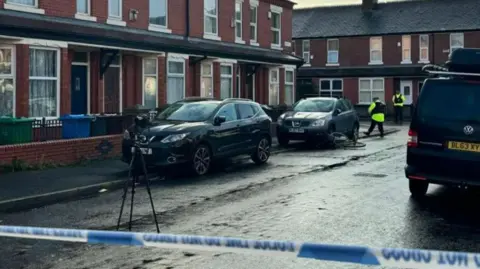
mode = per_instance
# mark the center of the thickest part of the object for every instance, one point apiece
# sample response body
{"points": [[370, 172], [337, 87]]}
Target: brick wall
{"points": [[62, 152]]}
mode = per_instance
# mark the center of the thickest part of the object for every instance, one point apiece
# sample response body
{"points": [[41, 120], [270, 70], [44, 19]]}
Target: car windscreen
{"points": [[314, 105], [197, 111], [449, 100]]}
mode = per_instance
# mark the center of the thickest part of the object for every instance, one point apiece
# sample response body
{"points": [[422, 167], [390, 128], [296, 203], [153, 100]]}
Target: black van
{"points": [[444, 135]]}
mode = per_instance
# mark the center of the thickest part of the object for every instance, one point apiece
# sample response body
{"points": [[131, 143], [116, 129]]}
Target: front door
{"points": [[406, 90], [251, 87], [79, 89], [112, 89], [227, 138]]}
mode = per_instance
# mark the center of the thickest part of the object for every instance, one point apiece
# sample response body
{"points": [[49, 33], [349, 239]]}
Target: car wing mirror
{"points": [[219, 120], [337, 111]]}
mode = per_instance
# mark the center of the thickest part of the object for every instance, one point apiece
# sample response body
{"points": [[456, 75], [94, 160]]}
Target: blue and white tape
{"points": [[391, 257]]}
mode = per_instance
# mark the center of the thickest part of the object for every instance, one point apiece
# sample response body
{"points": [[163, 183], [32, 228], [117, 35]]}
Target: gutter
{"points": [[187, 20]]}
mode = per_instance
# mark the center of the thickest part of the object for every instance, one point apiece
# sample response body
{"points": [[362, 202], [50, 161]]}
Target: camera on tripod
{"points": [[138, 169]]}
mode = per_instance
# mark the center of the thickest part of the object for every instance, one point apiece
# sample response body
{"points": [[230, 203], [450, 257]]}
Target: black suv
{"points": [[315, 119], [444, 135], [195, 131]]}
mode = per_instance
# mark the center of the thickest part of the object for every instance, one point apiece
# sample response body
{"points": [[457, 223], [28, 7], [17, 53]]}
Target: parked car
{"points": [[197, 131], [444, 136], [314, 119]]}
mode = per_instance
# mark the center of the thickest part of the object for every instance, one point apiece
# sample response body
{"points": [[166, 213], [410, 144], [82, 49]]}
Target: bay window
{"points": [[175, 80], [44, 90], [226, 81], [206, 87], [289, 88], [7, 81], [370, 88], [150, 82], [210, 17], [273, 89]]}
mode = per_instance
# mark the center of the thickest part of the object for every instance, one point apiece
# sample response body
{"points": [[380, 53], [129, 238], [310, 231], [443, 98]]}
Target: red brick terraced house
{"points": [[371, 50], [62, 57]]}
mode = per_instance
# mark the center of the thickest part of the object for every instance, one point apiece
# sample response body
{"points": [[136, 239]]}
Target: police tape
{"points": [[391, 257]]}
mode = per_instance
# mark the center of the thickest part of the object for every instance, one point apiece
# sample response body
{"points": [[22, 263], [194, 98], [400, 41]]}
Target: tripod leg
{"points": [[149, 192], [134, 180], [125, 190]]}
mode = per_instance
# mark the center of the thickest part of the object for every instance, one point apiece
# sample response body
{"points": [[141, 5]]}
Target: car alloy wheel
{"points": [[263, 150], [201, 160]]}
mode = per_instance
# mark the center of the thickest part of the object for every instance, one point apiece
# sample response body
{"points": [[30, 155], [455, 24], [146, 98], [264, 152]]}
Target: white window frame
{"points": [[12, 76], [406, 40], [87, 64], [85, 16], [149, 75], [329, 63], [9, 4], [276, 10], [114, 19], [331, 90], [210, 77], [372, 62], [371, 88], [457, 47], [306, 53], [270, 83], [120, 90], [58, 78], [184, 75], [292, 83], [254, 8], [208, 35], [229, 77], [158, 27], [239, 39], [427, 48]]}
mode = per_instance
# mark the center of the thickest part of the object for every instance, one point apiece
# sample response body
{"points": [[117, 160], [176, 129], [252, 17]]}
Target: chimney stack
{"points": [[369, 5]]}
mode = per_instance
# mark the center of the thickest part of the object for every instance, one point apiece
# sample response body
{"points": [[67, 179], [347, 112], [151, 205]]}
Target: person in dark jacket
{"points": [[377, 113]]}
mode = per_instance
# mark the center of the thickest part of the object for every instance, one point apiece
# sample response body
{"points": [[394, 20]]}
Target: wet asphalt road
{"points": [[362, 200]]}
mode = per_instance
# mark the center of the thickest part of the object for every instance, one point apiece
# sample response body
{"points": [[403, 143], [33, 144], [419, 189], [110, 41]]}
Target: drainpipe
{"points": [[187, 20]]}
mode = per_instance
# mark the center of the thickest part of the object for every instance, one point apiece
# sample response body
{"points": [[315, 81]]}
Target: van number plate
{"points": [[464, 146]]}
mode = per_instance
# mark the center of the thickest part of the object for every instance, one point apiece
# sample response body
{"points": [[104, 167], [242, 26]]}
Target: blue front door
{"points": [[79, 89]]}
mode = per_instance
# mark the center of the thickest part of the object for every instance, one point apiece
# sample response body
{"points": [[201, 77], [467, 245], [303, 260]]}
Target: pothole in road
{"points": [[369, 175]]}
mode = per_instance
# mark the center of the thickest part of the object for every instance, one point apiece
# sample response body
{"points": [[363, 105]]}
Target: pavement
{"points": [[349, 196], [31, 189]]}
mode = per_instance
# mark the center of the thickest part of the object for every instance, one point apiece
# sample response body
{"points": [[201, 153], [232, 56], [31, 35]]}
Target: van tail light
{"points": [[412, 139]]}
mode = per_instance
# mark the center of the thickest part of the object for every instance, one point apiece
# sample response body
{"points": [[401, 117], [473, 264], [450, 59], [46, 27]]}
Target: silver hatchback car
{"points": [[314, 119]]}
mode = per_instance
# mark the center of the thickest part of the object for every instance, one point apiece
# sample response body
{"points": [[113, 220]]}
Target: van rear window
{"points": [[449, 100]]}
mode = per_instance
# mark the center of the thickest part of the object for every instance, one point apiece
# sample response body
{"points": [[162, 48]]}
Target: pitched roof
{"points": [[414, 16]]}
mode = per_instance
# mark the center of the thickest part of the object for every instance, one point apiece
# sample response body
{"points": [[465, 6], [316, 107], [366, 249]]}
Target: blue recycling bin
{"points": [[75, 126]]}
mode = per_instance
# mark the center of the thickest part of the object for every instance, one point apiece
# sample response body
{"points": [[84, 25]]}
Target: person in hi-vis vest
{"points": [[398, 99], [377, 113]]}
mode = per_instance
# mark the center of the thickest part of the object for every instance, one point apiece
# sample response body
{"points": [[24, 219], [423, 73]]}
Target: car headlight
{"points": [[174, 138], [126, 135], [318, 123]]}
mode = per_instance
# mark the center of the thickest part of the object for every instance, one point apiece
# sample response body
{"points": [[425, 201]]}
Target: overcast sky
{"points": [[312, 3]]}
